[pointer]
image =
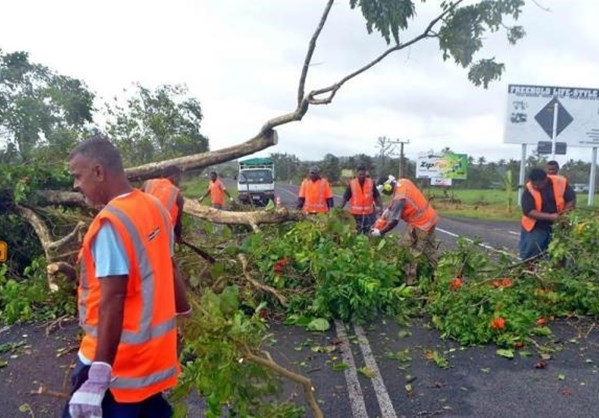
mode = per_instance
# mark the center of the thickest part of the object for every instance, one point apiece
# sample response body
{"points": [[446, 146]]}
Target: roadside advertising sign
{"points": [[531, 113], [442, 165]]}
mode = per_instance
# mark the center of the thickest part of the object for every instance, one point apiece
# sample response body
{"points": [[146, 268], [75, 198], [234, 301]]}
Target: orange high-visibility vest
{"points": [[362, 199], [316, 194], [559, 188], [417, 211], [146, 359], [167, 193], [217, 192]]}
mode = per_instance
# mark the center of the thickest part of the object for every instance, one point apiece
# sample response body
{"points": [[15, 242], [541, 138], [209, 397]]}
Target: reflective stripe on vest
{"points": [[424, 216], [559, 188], [362, 199], [314, 203], [136, 382], [146, 332]]}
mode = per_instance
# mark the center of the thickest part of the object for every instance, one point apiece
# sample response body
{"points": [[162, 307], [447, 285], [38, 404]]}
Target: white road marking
{"points": [[514, 233], [481, 244], [380, 389], [356, 397]]}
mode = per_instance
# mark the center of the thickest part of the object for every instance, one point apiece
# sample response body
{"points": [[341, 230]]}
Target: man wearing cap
{"points": [[362, 196], [315, 195], [410, 205]]}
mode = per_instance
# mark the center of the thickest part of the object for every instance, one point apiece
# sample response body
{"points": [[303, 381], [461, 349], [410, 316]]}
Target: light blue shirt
{"points": [[109, 253]]}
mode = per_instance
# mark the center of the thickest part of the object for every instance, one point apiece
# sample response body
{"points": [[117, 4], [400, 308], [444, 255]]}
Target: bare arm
{"points": [[179, 221], [181, 303], [394, 215], [542, 216], [113, 290]]}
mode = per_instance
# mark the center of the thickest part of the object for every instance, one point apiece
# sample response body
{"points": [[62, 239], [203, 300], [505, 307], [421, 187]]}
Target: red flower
{"points": [[505, 282], [456, 283], [280, 265], [541, 321], [496, 284], [497, 323]]}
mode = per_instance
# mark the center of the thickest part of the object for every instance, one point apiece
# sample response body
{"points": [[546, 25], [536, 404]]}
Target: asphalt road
{"points": [[477, 383]]}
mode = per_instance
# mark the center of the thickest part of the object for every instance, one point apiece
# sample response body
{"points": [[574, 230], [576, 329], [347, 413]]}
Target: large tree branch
{"points": [[332, 89], [252, 219], [311, 47], [51, 248], [266, 138]]}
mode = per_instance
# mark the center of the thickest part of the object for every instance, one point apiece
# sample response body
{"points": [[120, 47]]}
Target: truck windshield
{"points": [[255, 176]]}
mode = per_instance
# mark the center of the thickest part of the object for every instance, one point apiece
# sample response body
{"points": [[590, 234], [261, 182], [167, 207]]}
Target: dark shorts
{"points": [[153, 407], [364, 223]]}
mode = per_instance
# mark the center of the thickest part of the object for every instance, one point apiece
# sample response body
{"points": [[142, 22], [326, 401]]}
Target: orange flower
{"points": [[456, 283], [505, 282], [541, 321], [497, 323], [496, 284]]}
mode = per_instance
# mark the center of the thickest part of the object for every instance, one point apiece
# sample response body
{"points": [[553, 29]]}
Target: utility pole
{"points": [[401, 142]]}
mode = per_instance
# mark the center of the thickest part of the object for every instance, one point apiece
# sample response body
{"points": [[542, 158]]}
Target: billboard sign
{"points": [[442, 165], [530, 115]]}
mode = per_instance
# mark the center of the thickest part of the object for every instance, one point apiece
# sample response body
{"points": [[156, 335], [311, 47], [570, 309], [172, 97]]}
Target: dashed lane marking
{"points": [[354, 390], [380, 389], [481, 244]]}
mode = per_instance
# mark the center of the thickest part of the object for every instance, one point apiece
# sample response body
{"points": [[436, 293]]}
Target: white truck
{"points": [[256, 181]]}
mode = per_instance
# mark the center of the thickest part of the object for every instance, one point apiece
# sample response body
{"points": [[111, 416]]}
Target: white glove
{"points": [[375, 232], [86, 402]]}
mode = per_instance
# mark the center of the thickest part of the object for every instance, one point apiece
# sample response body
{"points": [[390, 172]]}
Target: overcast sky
{"points": [[242, 59]]}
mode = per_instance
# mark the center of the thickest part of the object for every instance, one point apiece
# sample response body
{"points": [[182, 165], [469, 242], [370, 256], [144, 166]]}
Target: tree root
{"points": [[260, 286], [309, 389]]}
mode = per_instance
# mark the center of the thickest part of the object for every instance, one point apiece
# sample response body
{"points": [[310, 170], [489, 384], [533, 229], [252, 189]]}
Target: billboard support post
{"points": [[522, 175], [593, 175], [554, 134]]}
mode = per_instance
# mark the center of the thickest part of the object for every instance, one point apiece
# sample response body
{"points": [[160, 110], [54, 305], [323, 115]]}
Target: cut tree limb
{"points": [[260, 286], [298, 378], [252, 219]]}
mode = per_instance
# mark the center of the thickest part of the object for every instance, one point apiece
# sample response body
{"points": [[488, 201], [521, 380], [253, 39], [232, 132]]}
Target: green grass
{"points": [[194, 188]]}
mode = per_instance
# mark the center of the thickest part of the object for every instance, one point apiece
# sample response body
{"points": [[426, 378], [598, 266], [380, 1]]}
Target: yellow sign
{"points": [[3, 251]]}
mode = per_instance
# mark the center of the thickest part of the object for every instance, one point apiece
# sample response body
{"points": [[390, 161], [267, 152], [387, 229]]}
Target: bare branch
{"points": [[266, 138], [298, 378], [332, 89], [258, 285], [311, 47], [252, 219]]}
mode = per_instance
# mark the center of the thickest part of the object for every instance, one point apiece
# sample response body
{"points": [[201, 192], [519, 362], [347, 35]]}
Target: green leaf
{"points": [[561, 376], [507, 353], [3, 363], [339, 367], [366, 371], [318, 324]]}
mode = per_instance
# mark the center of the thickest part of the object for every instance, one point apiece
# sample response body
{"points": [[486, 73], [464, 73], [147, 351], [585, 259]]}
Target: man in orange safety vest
{"points": [[315, 195], [545, 197], [129, 294], [362, 196]]}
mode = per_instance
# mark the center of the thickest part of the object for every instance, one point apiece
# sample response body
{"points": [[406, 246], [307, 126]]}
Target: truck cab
{"points": [[256, 181]]}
